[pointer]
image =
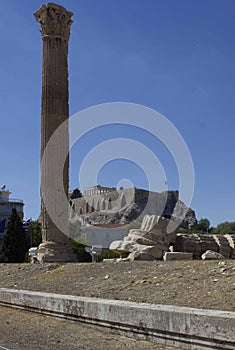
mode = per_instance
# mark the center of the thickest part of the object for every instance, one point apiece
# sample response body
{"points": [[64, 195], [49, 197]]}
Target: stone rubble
{"points": [[210, 255], [150, 242], [198, 244]]}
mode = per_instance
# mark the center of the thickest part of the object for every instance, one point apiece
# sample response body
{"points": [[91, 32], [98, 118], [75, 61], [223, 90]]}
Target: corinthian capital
{"points": [[55, 21]]}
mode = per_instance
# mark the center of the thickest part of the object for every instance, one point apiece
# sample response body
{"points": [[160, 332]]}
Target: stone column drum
{"points": [[55, 24]]}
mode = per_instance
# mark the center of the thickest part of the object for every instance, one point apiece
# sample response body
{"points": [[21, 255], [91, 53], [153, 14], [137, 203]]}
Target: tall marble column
{"points": [[55, 24]]}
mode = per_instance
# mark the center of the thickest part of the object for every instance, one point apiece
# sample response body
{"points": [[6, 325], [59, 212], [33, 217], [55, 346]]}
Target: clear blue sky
{"points": [[176, 57]]}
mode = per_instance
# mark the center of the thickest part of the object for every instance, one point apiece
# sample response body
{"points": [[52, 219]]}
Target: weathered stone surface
{"points": [[111, 260], [224, 247], [231, 240], [135, 206], [121, 246], [55, 252], [55, 24], [122, 260], [208, 242], [188, 243], [148, 243], [140, 255], [181, 211], [137, 239], [203, 329], [210, 255], [149, 221], [177, 256], [200, 243], [144, 252]]}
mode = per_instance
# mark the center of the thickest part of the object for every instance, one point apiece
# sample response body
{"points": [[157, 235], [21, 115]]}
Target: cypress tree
{"points": [[34, 235], [14, 242]]}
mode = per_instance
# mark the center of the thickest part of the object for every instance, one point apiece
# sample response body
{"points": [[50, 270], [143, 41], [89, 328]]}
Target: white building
{"points": [[6, 206], [103, 234]]}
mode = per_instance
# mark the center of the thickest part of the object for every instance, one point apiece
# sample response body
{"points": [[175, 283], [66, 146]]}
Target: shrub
{"points": [[133, 225], [109, 254], [79, 250]]}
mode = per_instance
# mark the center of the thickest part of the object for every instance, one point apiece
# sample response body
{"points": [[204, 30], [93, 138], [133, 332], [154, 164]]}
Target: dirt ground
{"points": [[20, 330], [199, 284]]}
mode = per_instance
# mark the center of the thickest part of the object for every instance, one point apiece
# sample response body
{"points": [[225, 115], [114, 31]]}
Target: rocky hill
{"points": [[136, 211]]}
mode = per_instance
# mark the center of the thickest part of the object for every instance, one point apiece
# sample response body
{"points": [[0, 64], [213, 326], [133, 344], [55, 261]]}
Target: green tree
{"points": [[14, 242], [109, 254], [203, 225], [76, 194], [79, 250], [34, 235], [224, 228]]}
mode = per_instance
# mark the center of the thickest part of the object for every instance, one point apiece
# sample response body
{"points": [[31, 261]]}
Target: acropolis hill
{"points": [[106, 205]]}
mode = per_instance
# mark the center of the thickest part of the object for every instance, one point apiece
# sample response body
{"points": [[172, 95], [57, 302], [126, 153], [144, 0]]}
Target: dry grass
{"points": [[199, 284]]}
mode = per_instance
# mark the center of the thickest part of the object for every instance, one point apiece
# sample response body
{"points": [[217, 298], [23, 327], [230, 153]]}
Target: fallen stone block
{"points": [[148, 243], [142, 252], [109, 260], [121, 246], [210, 255], [118, 260], [231, 240], [140, 255], [177, 256], [224, 247]]}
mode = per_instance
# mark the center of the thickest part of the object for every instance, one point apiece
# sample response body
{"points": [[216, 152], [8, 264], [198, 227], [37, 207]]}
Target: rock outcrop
{"points": [[136, 212], [150, 242]]}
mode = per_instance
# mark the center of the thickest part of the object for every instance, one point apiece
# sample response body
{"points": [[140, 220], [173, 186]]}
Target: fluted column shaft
{"points": [[55, 28], [55, 111]]}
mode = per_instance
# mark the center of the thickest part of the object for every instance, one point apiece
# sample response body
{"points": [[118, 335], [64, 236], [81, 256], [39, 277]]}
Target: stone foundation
{"points": [[52, 251]]}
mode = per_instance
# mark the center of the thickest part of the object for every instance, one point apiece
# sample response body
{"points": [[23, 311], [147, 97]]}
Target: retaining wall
{"points": [[181, 327]]}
